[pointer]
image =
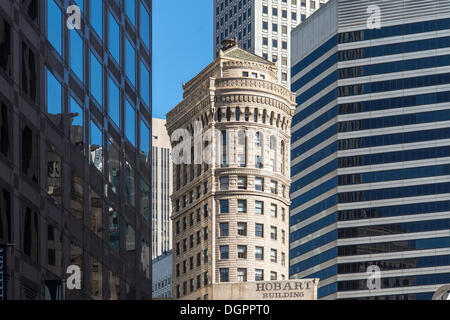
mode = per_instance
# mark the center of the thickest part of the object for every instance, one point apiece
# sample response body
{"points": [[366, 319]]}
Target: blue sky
{"points": [[182, 47]]}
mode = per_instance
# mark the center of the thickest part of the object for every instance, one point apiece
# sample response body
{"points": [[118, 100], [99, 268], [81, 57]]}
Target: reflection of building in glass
{"points": [[370, 152], [162, 276], [230, 216], [74, 149], [161, 189]]}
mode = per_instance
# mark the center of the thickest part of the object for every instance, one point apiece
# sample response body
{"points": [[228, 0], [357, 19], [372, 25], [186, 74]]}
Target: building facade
{"points": [[370, 149], [230, 208], [262, 27], [161, 189], [75, 143], [162, 276]]}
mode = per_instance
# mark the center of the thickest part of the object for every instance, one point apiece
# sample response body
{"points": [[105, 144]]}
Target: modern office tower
{"points": [[75, 118], [161, 189], [370, 149], [262, 27], [162, 276], [230, 206]]}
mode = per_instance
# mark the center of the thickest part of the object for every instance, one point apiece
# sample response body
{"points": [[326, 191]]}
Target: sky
{"points": [[182, 47]]}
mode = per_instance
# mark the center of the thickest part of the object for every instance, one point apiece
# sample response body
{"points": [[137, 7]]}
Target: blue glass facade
{"points": [[370, 162]]}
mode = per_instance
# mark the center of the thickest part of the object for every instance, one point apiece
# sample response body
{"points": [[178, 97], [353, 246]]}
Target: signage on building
{"points": [[3, 266], [302, 289]]}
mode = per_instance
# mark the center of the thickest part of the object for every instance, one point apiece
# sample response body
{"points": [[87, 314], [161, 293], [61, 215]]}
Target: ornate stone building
{"points": [[231, 216]]}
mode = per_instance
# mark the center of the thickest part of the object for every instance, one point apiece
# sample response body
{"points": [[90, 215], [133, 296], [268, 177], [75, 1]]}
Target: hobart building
{"points": [[75, 123], [230, 209]]}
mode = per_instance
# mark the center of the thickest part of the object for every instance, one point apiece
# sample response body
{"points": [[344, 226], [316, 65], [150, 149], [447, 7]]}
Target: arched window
{"points": [[264, 116], [257, 139], [273, 152], [283, 158], [224, 162], [228, 114], [271, 118], [242, 148]]}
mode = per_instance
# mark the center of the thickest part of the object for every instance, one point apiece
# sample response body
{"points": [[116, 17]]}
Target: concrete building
{"points": [[262, 27], [230, 207], [162, 276], [161, 189], [75, 118], [370, 149]]}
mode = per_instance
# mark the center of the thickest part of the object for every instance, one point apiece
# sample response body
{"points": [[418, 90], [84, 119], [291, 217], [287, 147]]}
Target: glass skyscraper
{"points": [[75, 123], [370, 149]]}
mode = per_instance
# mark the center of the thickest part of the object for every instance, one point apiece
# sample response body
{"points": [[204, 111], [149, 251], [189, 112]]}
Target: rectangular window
{"points": [[54, 174], [274, 28], [284, 29], [224, 183], [77, 197], [273, 233], [273, 187], [96, 17], [145, 200], [273, 210], [114, 233], [205, 256], [30, 233], [284, 45], [259, 275], [265, 25], [273, 275], [205, 233], [259, 230], [114, 38], [224, 274], [5, 45], [5, 215], [284, 14], [224, 207], [223, 227], [54, 25], [113, 101], [130, 122], [130, 10], [242, 183], [5, 129], [265, 41], [259, 182], [191, 241], [96, 213], [242, 251], [54, 98], [224, 252], [242, 275], [259, 207], [130, 183], [130, 61], [144, 87], [294, 16], [283, 236], [242, 206], [30, 153], [76, 54], [145, 25], [283, 258], [199, 237], [144, 141], [273, 255], [258, 162], [259, 253], [275, 44], [242, 228], [96, 79]]}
